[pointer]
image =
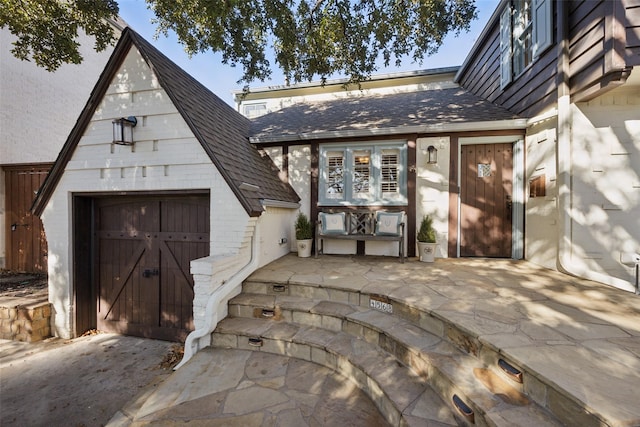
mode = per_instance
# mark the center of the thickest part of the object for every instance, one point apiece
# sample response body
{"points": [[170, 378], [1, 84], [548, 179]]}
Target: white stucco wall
{"points": [[606, 181], [39, 108], [166, 156], [604, 203], [300, 180], [432, 189], [541, 213], [276, 233]]}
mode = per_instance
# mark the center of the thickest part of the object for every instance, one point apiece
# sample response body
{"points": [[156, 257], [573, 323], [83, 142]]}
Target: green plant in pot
{"points": [[304, 235], [427, 240]]}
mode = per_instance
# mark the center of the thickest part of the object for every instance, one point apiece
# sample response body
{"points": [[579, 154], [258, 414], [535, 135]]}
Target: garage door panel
{"points": [[145, 249], [176, 288], [189, 215]]}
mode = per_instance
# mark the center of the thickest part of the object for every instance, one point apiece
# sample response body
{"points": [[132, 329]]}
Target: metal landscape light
{"points": [[432, 153], [123, 130]]}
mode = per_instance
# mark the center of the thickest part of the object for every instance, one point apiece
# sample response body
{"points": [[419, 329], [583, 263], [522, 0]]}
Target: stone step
{"points": [[551, 386], [487, 393], [400, 395]]}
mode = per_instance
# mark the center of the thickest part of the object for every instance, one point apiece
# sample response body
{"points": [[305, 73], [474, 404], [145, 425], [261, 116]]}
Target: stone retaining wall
{"points": [[26, 322]]}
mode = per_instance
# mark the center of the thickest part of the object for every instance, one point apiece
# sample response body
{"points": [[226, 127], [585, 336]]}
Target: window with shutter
{"points": [[363, 174], [525, 32]]}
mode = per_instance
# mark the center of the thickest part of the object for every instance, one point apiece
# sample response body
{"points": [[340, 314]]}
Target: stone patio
{"points": [[576, 342]]}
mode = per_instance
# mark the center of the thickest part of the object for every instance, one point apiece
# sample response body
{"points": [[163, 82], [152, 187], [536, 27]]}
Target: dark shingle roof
{"points": [[395, 113], [222, 131]]}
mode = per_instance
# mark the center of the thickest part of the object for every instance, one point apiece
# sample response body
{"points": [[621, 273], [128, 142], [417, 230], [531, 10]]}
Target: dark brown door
{"points": [[485, 196], [26, 241], [144, 248]]}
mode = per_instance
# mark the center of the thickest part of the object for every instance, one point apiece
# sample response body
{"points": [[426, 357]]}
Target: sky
{"points": [[222, 79]]}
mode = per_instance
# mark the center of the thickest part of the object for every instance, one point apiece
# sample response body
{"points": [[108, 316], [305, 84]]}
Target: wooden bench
{"points": [[361, 225]]}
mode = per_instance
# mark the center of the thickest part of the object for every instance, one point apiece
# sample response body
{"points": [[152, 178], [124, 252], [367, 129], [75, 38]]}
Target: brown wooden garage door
{"points": [[144, 247]]}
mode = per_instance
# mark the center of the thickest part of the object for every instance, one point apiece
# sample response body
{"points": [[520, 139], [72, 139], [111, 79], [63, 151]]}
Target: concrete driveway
{"points": [[79, 382]]}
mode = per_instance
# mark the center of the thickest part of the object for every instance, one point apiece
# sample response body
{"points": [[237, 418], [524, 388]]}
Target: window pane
{"points": [[389, 166], [335, 175], [361, 172]]}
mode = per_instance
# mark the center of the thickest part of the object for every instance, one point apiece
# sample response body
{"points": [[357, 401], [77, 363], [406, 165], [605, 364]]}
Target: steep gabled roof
{"points": [[435, 110], [222, 131]]}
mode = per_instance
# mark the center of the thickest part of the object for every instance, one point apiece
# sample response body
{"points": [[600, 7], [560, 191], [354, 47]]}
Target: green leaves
{"points": [[306, 39], [47, 30], [310, 39]]}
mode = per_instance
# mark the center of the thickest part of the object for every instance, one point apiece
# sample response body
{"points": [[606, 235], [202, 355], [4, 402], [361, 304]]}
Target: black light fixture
{"points": [[123, 130], [432, 153]]}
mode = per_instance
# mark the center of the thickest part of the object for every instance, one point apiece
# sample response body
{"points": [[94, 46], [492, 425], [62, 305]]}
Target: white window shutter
{"points": [[542, 26], [505, 47]]}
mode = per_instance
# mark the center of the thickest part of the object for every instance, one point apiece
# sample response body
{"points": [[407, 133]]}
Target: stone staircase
{"points": [[417, 368]]}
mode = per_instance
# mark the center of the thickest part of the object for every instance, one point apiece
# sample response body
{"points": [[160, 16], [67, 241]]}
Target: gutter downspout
{"points": [[565, 181], [226, 291]]}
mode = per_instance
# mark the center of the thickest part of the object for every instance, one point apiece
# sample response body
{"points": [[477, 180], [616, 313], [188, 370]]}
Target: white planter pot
{"points": [[427, 251], [304, 248]]}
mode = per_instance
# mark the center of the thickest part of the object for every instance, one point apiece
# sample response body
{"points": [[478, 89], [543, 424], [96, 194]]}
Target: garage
{"points": [[129, 222], [142, 247]]}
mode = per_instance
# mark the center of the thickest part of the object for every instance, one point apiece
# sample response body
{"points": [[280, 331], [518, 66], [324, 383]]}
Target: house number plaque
{"points": [[381, 304]]}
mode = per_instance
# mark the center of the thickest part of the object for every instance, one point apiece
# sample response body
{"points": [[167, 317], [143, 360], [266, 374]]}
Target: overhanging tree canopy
{"points": [[305, 38]]}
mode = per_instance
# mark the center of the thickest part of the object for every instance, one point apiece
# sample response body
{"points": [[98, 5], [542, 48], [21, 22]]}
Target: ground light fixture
{"points": [[123, 130]]}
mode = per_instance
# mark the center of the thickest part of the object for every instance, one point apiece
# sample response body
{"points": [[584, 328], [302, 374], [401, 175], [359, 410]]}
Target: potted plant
{"points": [[427, 240], [304, 235]]}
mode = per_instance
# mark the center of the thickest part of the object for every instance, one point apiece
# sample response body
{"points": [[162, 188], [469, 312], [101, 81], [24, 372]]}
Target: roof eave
{"points": [[509, 124], [343, 81], [279, 204]]}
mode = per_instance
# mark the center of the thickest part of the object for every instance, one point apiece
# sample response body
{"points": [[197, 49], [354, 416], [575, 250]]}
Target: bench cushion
{"points": [[388, 223], [333, 223]]}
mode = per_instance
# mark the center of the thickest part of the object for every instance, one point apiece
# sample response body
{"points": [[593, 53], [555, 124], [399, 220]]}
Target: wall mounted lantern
{"points": [[432, 153], [123, 130]]}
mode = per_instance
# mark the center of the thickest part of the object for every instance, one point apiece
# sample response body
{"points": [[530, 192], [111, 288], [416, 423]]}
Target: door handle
{"points": [[150, 272]]}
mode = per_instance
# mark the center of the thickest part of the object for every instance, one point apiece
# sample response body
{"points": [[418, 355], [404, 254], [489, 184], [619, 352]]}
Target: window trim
{"points": [[375, 175]]}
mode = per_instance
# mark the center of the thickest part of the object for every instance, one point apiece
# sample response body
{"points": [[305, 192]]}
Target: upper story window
{"points": [[525, 32], [363, 174], [252, 111]]}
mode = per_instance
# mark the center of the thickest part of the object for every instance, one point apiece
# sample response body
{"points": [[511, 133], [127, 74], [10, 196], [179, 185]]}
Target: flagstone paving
{"points": [[245, 388], [577, 341]]}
